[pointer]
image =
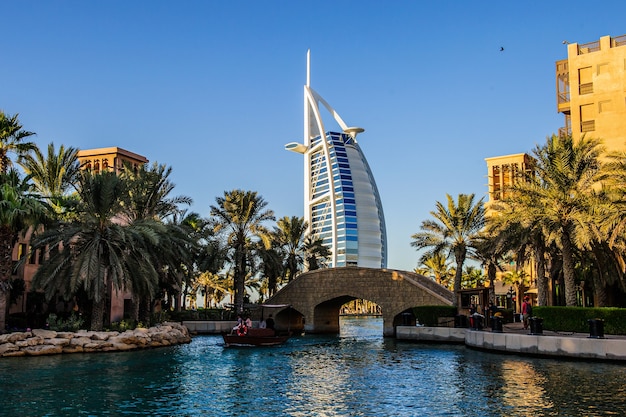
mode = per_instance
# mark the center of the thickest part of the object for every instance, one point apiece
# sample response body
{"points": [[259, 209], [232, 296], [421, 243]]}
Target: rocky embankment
{"points": [[39, 342]]}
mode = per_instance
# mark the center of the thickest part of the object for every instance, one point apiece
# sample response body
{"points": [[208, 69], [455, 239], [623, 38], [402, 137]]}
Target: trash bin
{"points": [[477, 322], [496, 324], [460, 321], [596, 328], [536, 325], [407, 319]]}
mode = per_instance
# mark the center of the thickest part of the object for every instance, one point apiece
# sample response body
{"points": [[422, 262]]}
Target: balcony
{"points": [[619, 41], [565, 132], [587, 48], [562, 86]]}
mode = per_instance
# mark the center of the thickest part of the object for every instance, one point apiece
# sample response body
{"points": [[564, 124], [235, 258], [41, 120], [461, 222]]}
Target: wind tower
{"points": [[341, 200]]}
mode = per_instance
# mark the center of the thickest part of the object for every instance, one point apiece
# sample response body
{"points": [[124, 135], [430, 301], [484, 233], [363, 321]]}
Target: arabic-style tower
{"points": [[342, 204]]}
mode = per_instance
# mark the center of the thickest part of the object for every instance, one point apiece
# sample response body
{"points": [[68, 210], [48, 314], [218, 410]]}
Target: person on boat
{"points": [[248, 322], [269, 323], [262, 324], [239, 323]]}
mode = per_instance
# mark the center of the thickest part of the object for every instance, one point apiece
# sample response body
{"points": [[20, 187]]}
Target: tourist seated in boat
{"points": [[242, 330]]}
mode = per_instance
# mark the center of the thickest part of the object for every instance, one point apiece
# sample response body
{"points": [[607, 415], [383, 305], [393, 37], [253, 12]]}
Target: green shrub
{"points": [[72, 324], [203, 314], [122, 326], [576, 319], [429, 315]]}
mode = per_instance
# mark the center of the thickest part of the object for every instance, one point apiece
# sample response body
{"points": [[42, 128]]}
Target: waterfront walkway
{"points": [[514, 339]]}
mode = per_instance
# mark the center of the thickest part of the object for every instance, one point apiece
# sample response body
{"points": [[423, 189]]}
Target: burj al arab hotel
{"points": [[341, 200]]}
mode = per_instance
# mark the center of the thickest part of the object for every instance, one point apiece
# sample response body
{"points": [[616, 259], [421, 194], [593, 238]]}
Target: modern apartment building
{"points": [[342, 203]]}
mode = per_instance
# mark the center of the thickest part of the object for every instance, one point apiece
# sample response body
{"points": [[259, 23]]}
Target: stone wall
{"points": [[48, 342]]}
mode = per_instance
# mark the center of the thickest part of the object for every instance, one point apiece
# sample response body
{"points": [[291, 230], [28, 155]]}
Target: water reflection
{"points": [[357, 373]]}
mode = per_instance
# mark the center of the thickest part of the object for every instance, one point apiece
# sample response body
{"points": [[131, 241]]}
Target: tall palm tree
{"points": [[12, 137], [516, 232], [213, 286], [453, 231], [489, 252], [149, 189], [290, 233], [559, 195], [20, 208], [149, 192], [97, 248], [240, 216], [272, 266], [611, 229], [54, 174]]}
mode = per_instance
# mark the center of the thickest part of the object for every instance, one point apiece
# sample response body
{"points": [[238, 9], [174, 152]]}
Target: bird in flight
{"points": [[501, 48]]}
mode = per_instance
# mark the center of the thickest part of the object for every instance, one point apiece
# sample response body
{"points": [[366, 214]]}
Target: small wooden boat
{"points": [[254, 337]]}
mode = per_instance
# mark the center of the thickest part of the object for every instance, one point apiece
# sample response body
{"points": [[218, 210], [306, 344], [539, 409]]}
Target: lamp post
{"points": [[509, 298]]}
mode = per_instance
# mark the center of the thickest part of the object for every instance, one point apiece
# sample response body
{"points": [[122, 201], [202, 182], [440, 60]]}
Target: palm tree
{"points": [[489, 252], [54, 174], [98, 249], [11, 140], [609, 248], [272, 265], [473, 277], [437, 266], [149, 190], [520, 281], [290, 234], [213, 286], [240, 216], [559, 196], [20, 208], [453, 231], [316, 253], [513, 230]]}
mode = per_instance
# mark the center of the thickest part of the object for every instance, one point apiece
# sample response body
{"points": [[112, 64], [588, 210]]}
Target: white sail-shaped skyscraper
{"points": [[342, 204]]}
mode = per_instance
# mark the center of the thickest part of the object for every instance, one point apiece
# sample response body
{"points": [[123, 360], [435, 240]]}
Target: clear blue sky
{"points": [[214, 88]]}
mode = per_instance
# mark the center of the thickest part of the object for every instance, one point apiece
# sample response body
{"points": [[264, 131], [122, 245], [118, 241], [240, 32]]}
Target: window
{"points": [[585, 81], [587, 118]]}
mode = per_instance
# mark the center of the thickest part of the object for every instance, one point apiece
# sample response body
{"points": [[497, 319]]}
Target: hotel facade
{"points": [[118, 304], [342, 203], [591, 95]]}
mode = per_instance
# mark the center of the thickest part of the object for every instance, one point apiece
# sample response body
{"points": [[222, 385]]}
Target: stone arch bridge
{"points": [[317, 296]]}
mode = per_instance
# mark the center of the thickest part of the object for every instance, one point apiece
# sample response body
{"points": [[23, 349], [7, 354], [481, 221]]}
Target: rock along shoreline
{"points": [[38, 342]]}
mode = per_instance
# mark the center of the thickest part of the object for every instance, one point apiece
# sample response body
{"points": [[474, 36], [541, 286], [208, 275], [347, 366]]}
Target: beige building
{"points": [[591, 94], [502, 171], [591, 91], [109, 158], [30, 304]]}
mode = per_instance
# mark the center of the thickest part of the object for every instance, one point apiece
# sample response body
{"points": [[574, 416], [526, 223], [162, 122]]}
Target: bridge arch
{"points": [[318, 295]]}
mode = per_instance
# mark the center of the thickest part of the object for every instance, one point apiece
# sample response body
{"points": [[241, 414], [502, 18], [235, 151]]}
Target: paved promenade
{"points": [[514, 339]]}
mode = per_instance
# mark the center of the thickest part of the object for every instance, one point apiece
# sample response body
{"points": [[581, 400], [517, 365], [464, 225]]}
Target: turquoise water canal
{"points": [[357, 373]]}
